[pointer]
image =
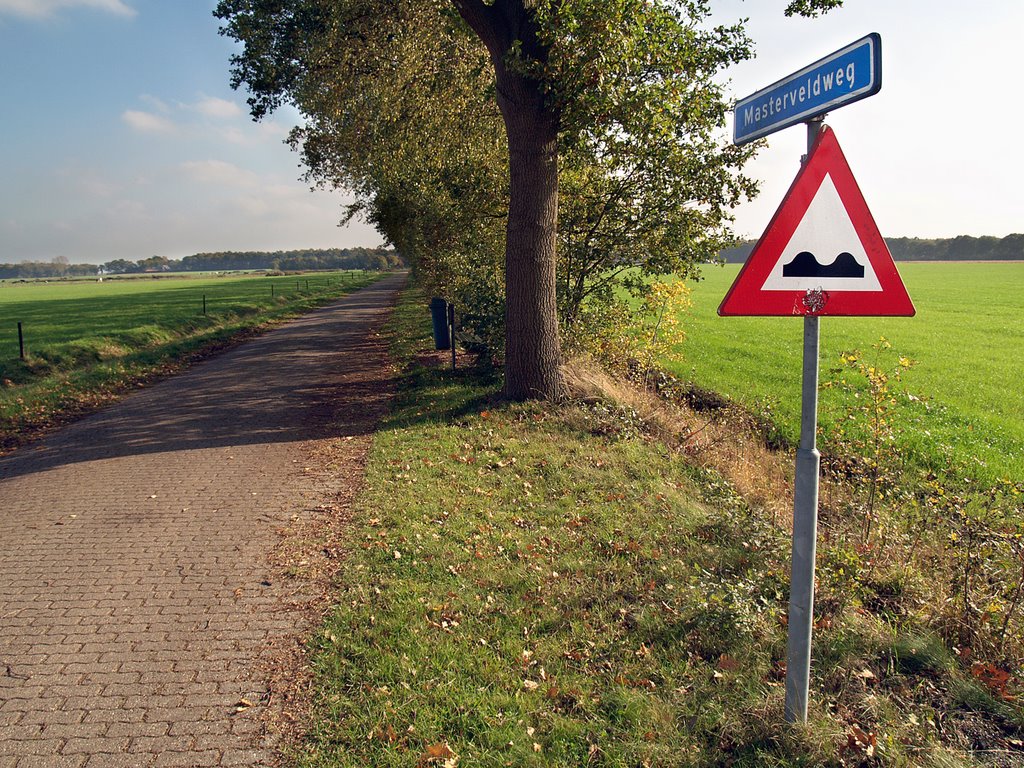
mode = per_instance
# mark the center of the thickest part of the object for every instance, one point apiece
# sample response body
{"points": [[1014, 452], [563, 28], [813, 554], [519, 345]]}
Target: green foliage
{"points": [[984, 537], [867, 440], [321, 258], [959, 248], [627, 339], [400, 107], [646, 181], [811, 7], [908, 513]]}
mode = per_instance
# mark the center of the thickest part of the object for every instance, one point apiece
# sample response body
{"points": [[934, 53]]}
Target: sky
{"points": [[937, 151], [120, 136]]}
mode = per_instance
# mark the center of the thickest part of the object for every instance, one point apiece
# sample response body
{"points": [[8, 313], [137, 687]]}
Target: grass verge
{"points": [[547, 585], [59, 382]]}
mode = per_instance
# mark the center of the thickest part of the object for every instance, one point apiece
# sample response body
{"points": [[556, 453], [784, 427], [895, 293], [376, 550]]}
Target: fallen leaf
{"points": [[728, 663], [859, 740], [993, 678], [242, 705], [438, 753], [866, 675]]}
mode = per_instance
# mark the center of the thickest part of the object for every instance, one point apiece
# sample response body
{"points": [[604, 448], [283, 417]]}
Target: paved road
{"points": [[136, 597]]}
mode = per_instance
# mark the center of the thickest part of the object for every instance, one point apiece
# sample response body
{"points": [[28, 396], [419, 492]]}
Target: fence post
{"points": [[451, 330], [204, 303], [21, 342]]}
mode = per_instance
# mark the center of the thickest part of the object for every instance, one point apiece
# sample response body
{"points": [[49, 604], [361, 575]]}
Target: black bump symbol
{"points": [[805, 264]]}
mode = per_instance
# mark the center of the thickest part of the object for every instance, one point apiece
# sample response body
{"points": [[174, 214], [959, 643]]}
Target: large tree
{"points": [[454, 119]]}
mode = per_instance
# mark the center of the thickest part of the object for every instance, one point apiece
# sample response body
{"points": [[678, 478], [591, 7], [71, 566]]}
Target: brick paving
{"points": [[136, 594]]}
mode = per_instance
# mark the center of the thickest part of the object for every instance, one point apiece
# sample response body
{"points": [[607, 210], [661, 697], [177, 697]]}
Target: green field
{"points": [[54, 312], [84, 341], [967, 339]]}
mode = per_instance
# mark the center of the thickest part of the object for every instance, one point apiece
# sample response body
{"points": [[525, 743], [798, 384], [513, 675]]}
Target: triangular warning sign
{"points": [[822, 253]]}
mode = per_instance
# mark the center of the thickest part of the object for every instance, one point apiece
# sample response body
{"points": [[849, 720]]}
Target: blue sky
{"points": [[122, 139]]}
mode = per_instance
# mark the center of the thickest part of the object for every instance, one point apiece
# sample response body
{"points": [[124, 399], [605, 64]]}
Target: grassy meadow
{"points": [[551, 585], [86, 340], [967, 340], [63, 312]]}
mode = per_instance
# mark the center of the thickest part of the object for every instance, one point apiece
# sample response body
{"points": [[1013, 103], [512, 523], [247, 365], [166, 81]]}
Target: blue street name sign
{"points": [[848, 75]]}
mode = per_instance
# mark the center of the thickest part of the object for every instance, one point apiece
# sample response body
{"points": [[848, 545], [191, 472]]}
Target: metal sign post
{"points": [[805, 519], [451, 330]]}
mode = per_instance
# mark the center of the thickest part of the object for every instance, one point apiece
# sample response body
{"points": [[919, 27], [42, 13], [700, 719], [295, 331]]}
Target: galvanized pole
{"points": [[805, 519]]}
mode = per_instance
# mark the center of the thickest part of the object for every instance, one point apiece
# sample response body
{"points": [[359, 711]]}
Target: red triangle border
{"points": [[746, 298]]}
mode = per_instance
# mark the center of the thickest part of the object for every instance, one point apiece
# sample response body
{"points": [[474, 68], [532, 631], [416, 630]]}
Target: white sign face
{"points": [[825, 252]]}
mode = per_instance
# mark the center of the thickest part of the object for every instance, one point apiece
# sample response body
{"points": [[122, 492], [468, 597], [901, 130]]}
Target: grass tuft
{"points": [[551, 584]]}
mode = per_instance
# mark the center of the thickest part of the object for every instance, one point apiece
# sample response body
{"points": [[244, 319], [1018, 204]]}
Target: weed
{"points": [[870, 452]]}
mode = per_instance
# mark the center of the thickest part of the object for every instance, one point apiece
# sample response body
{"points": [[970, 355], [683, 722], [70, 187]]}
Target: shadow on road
{"points": [[284, 386]]}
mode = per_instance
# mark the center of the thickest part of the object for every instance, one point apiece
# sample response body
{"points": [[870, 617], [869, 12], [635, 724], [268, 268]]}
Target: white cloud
{"points": [[211, 106], [43, 9], [147, 122], [208, 118], [156, 103], [221, 173], [251, 135]]}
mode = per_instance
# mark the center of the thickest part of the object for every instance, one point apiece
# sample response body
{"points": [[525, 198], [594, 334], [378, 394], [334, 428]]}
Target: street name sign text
{"points": [[848, 75]]}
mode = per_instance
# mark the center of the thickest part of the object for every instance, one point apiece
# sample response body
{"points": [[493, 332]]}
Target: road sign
{"points": [[822, 253], [848, 75]]}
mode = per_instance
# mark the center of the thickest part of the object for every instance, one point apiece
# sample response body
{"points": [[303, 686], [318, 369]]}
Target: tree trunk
{"points": [[532, 351]]}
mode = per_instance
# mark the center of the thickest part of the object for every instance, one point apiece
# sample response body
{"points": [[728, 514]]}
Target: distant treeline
{"points": [[330, 258], [960, 248]]}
